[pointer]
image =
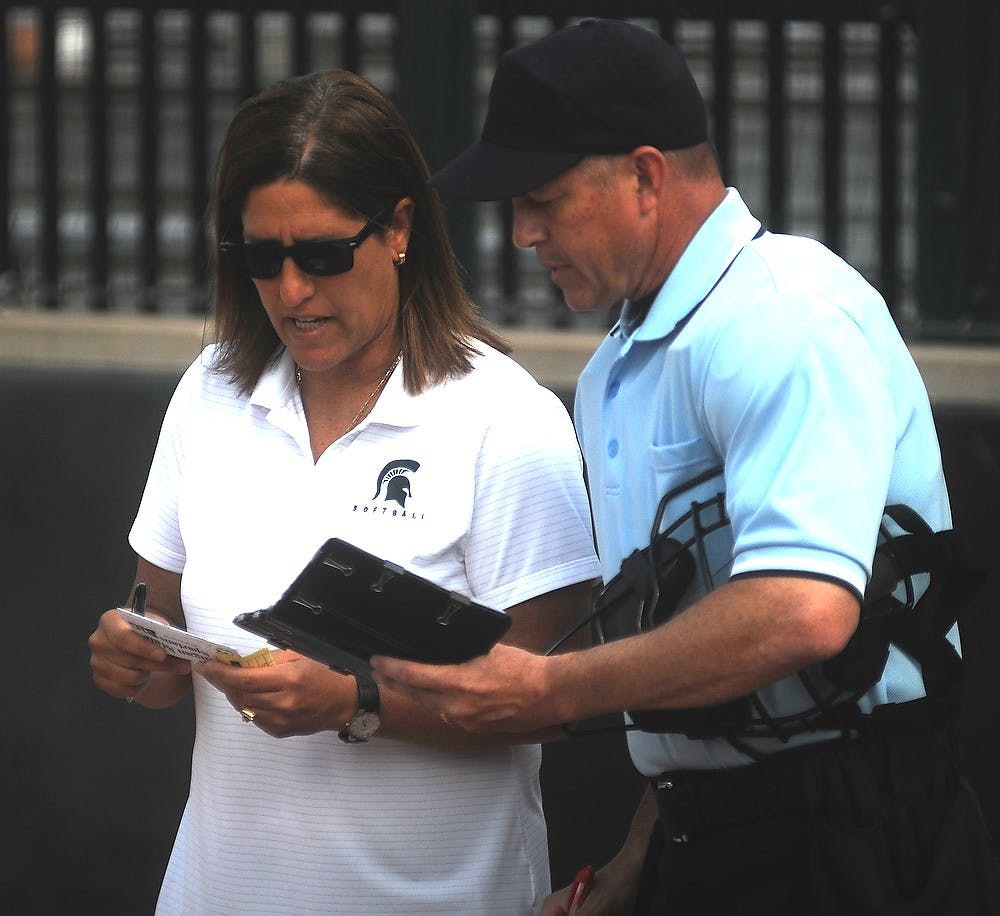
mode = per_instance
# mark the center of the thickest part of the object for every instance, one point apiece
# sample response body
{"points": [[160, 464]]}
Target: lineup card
{"points": [[182, 644]]}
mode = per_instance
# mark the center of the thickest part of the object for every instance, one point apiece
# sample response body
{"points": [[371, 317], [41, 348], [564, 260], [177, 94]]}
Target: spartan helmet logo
{"points": [[393, 478]]}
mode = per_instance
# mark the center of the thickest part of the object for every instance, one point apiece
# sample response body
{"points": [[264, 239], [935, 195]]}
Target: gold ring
{"points": [[445, 719], [247, 714]]}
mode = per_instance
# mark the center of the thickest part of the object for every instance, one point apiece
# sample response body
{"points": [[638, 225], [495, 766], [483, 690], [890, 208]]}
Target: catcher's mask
{"points": [[917, 587]]}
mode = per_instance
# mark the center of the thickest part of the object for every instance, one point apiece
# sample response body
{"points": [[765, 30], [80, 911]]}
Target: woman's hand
{"points": [[128, 665], [300, 697], [296, 696], [124, 663]]}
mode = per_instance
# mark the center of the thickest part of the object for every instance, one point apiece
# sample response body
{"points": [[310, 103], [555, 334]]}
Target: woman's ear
{"points": [[400, 224]]}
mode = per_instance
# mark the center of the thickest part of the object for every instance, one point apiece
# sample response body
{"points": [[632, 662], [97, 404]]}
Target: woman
{"points": [[353, 391]]}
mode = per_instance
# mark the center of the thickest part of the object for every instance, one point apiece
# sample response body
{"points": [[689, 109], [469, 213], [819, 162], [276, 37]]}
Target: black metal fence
{"points": [[111, 115]]}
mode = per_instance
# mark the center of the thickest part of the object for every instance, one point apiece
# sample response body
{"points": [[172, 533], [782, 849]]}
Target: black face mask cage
{"points": [[894, 612], [668, 565], [653, 580]]}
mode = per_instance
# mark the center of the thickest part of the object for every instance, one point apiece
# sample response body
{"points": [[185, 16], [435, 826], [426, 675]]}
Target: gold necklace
{"points": [[376, 391]]}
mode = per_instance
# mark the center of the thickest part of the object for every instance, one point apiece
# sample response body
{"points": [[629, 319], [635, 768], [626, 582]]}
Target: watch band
{"points": [[367, 721], [369, 699]]}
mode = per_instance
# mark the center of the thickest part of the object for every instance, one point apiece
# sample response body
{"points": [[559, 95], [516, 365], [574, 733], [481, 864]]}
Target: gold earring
{"points": [[400, 259]]}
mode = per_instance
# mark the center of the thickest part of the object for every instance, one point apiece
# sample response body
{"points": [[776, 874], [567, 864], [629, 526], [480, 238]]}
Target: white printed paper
{"points": [[177, 642]]}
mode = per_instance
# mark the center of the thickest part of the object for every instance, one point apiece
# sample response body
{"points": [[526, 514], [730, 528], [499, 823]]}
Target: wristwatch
{"points": [[366, 722]]}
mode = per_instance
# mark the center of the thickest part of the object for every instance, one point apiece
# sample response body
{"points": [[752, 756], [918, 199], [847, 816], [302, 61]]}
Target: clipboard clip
{"points": [[344, 568], [444, 618], [310, 606], [385, 577]]}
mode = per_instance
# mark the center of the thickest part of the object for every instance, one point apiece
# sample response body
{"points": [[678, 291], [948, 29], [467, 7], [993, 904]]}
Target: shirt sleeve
{"points": [[155, 535], [808, 437], [531, 529]]}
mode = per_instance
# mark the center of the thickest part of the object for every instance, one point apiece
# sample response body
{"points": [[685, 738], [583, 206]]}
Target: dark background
{"points": [[95, 787]]}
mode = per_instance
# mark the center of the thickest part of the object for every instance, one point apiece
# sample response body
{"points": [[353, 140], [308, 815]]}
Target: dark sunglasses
{"points": [[320, 259]]}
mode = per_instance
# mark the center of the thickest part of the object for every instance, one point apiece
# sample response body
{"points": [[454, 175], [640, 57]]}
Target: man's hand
{"points": [[607, 897], [616, 885], [504, 691]]}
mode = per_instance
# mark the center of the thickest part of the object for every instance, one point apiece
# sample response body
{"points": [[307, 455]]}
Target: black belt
{"points": [[693, 801]]}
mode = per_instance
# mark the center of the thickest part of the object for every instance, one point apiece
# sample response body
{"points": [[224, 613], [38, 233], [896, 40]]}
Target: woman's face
{"points": [[328, 324]]}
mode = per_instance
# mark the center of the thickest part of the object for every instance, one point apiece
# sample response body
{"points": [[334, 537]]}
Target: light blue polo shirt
{"points": [[792, 376]]}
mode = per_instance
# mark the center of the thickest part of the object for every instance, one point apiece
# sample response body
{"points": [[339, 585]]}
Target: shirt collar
{"points": [[395, 406], [714, 246], [276, 392], [276, 388]]}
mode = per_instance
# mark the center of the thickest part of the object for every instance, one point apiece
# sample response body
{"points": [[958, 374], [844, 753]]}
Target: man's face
{"points": [[583, 226]]}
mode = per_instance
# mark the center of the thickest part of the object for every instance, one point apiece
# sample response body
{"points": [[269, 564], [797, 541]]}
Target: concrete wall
{"points": [[94, 787], [956, 375]]}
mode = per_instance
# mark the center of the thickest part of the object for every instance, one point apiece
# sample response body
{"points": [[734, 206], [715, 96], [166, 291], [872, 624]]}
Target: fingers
{"points": [[557, 903], [253, 688], [496, 692], [414, 676], [427, 684], [122, 661], [251, 696], [116, 640], [448, 692], [295, 697], [119, 681]]}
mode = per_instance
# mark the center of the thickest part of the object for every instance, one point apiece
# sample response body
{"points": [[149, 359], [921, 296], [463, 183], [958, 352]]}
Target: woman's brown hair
{"points": [[340, 135]]}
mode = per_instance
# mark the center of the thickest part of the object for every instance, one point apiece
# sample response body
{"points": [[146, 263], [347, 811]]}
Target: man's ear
{"points": [[650, 169]]}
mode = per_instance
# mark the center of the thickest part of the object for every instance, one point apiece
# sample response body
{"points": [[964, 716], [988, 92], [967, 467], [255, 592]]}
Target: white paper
{"points": [[177, 642]]}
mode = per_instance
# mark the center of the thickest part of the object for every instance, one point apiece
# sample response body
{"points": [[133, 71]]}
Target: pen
{"points": [[580, 888], [139, 599]]}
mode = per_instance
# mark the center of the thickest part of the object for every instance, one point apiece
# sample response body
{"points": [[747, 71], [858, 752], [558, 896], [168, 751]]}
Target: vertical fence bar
{"points": [[48, 160], [198, 146], [833, 132], [248, 53], [149, 159], [722, 101], [437, 97], [350, 42], [560, 314], [510, 279], [777, 133], [958, 187], [99, 191], [7, 79], [299, 40], [668, 26], [889, 155], [667, 23]]}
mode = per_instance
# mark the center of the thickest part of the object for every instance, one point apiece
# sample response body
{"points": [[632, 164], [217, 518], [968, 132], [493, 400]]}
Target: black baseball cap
{"points": [[601, 86]]}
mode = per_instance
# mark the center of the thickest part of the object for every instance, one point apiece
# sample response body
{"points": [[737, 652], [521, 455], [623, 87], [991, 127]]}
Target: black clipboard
{"points": [[348, 605]]}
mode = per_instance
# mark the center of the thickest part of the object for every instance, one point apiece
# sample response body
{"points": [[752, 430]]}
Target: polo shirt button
{"points": [[612, 448], [613, 389]]}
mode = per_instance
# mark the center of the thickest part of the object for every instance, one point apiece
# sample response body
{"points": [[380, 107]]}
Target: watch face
{"points": [[364, 725]]}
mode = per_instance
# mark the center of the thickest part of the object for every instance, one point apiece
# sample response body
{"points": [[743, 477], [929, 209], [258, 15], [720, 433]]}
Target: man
{"points": [[756, 391]]}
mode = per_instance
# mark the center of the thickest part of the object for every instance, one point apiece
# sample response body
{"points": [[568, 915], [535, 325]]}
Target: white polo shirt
{"points": [[793, 377], [476, 484]]}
